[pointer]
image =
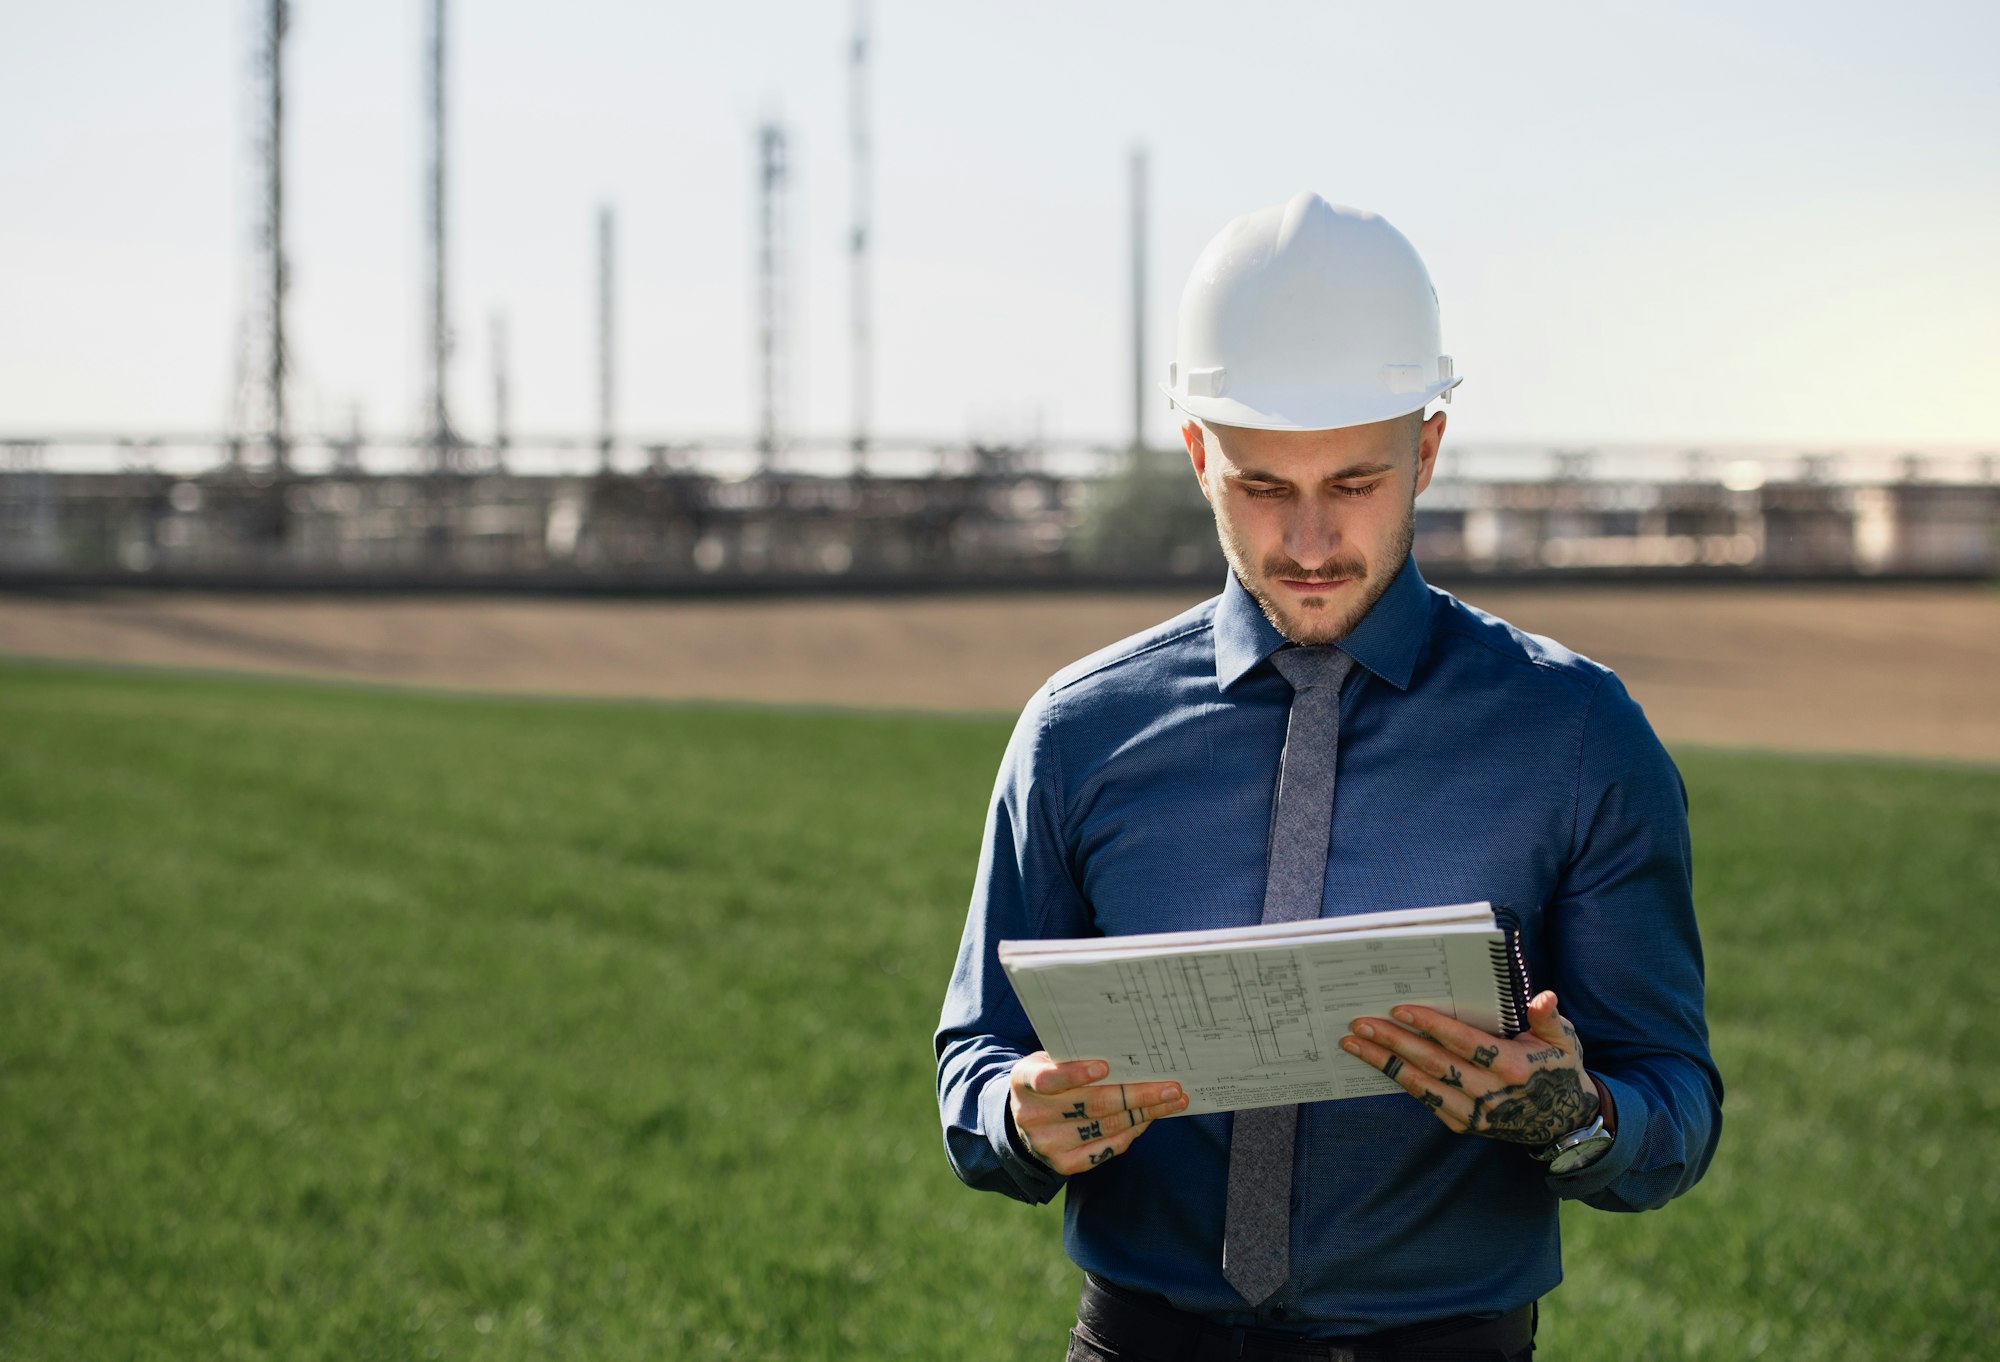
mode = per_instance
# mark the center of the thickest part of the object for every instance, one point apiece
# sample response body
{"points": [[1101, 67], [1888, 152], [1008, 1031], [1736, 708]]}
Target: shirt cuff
{"points": [[1594, 1177], [1037, 1181]]}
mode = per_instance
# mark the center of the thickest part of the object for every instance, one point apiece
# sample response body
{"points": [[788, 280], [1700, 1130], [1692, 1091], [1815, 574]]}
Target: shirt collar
{"points": [[1386, 641]]}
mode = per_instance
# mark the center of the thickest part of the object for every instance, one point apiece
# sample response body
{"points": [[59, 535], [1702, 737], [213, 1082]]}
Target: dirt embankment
{"points": [[1881, 669]]}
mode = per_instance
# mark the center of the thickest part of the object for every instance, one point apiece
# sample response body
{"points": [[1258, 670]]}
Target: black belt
{"points": [[1144, 1325]]}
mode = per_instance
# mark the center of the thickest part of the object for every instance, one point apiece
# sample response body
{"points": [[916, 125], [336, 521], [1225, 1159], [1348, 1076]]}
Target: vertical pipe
{"points": [[770, 291], [277, 20], [434, 181], [605, 356], [764, 432], [862, 340], [503, 437], [1138, 297]]}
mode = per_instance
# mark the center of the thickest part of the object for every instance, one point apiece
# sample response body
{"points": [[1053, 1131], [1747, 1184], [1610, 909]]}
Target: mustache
{"points": [[1334, 571]]}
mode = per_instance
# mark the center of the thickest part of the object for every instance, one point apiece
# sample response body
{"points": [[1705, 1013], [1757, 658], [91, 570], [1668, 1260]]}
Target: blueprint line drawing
{"points": [[1262, 1009], [1202, 1000]]}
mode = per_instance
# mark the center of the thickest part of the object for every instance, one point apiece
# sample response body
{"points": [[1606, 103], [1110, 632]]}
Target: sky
{"points": [[1687, 222]]}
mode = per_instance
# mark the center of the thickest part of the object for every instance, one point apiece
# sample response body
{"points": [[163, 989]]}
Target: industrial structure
{"points": [[690, 518], [259, 414], [263, 505], [1141, 372], [861, 185], [607, 345], [773, 292], [441, 436], [503, 427]]}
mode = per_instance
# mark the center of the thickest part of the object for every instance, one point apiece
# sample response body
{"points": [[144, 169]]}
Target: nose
{"points": [[1312, 532]]}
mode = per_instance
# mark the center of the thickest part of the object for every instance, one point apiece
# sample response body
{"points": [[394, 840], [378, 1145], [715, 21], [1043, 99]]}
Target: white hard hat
{"points": [[1307, 316]]}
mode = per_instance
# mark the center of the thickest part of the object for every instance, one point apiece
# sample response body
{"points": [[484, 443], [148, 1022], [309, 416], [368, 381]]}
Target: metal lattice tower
{"points": [[606, 350], [1138, 298], [773, 338], [862, 339], [263, 356], [439, 437]]}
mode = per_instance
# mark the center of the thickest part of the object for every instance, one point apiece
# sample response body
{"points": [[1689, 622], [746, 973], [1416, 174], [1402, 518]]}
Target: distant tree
{"points": [[1149, 518]]}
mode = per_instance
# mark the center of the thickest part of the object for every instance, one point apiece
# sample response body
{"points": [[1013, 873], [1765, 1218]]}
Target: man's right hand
{"points": [[1071, 1123]]}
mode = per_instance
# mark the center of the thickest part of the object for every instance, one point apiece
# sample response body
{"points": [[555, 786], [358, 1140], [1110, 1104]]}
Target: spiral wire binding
{"points": [[1510, 970]]}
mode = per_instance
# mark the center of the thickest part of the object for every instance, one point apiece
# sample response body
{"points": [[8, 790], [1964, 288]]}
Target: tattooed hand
{"points": [[1071, 1125], [1530, 1089]]}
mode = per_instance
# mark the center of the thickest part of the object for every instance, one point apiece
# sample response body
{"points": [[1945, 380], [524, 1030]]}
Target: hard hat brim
{"points": [[1324, 411]]}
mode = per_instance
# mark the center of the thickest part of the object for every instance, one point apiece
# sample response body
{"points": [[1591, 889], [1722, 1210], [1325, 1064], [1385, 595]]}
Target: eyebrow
{"points": [[1357, 470]]}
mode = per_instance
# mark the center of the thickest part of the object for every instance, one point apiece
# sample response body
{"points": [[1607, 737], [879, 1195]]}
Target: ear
{"points": [[1430, 436], [1197, 452]]}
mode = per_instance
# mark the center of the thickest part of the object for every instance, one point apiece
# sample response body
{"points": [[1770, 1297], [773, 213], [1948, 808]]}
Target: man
{"points": [[1159, 785]]}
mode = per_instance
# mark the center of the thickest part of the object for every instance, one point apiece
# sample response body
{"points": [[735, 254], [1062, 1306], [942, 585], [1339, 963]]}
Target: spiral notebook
{"points": [[1253, 1016]]}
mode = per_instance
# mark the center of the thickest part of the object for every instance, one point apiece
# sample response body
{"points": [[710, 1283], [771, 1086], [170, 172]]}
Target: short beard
{"points": [[1320, 624]]}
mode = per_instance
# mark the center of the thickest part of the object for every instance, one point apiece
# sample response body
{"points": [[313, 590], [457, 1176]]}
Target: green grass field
{"points": [[342, 1024]]}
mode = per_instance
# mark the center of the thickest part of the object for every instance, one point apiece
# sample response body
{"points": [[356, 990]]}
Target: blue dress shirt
{"points": [[1475, 762]]}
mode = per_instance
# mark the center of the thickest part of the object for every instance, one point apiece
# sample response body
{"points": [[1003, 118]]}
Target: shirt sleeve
{"points": [[1627, 965], [1024, 890]]}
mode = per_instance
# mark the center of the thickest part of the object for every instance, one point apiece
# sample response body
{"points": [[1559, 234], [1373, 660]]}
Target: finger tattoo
{"points": [[1453, 1076], [1134, 1117], [1431, 1100], [1484, 1055], [1075, 1113], [1090, 1130], [1394, 1065], [1101, 1155]]}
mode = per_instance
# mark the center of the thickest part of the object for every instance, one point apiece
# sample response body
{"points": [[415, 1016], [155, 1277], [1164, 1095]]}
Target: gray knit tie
{"points": [[1257, 1229]]}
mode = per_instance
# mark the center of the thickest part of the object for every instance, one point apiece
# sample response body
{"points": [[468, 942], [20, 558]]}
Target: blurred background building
{"points": [[641, 493]]}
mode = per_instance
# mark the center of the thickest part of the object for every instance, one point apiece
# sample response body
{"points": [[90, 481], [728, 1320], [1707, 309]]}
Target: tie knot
{"points": [[1312, 665]]}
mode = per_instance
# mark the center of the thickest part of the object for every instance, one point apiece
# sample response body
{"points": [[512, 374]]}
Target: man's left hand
{"points": [[1531, 1089]]}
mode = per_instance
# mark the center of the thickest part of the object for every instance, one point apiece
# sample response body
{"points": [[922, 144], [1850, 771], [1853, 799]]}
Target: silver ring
{"points": [[1027, 1143]]}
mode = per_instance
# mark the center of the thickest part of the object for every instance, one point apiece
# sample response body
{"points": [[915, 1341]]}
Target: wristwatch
{"points": [[1579, 1148]]}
